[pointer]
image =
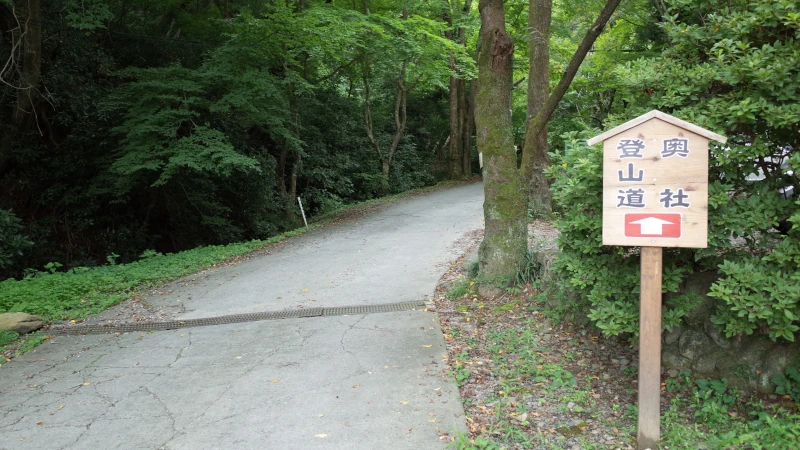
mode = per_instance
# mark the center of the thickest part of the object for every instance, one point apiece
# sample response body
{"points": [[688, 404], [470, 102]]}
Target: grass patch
{"points": [[7, 337], [82, 292], [460, 288]]}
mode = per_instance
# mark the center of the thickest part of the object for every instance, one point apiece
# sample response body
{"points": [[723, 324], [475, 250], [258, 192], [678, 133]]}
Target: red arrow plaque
{"points": [[653, 225]]}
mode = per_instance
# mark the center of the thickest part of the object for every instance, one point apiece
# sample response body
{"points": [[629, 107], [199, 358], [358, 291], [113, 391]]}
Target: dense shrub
{"points": [[732, 67], [12, 241]]}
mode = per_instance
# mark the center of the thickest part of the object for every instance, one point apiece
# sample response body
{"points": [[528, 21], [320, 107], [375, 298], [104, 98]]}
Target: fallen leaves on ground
{"points": [[508, 394]]}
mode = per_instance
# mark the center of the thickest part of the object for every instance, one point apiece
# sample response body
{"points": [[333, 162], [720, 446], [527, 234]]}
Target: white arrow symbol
{"points": [[652, 225]]}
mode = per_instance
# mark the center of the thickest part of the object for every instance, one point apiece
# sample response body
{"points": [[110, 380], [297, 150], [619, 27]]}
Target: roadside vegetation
{"points": [[531, 380]]}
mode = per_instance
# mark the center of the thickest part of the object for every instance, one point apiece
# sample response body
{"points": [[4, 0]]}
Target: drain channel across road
{"points": [[236, 318]]}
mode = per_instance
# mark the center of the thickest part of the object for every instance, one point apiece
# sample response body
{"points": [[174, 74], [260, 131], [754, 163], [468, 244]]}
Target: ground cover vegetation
{"points": [[167, 125], [531, 380]]}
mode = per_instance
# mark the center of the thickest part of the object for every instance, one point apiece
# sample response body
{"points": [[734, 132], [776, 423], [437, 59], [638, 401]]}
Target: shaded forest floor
{"points": [[529, 379]]}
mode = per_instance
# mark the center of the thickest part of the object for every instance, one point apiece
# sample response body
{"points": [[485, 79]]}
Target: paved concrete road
{"points": [[373, 381]]}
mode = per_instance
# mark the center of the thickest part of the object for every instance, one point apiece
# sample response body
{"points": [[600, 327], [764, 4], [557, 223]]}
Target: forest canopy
{"points": [[167, 125]]}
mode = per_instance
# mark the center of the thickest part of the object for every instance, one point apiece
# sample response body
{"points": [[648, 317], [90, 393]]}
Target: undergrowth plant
{"points": [[788, 383]]}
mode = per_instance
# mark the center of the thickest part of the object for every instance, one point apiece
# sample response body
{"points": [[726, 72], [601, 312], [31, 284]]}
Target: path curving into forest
{"points": [[354, 381]]}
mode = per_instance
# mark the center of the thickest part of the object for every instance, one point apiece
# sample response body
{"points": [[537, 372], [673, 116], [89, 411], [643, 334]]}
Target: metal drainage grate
{"points": [[235, 318]]}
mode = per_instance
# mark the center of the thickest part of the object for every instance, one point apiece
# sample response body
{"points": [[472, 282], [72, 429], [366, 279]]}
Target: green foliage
{"points": [[31, 341], [461, 374], [723, 419], [87, 14], [82, 291], [7, 337], [734, 70], [460, 288], [788, 383], [12, 241], [167, 126], [529, 271], [716, 389], [767, 431], [462, 441], [602, 279], [728, 66]]}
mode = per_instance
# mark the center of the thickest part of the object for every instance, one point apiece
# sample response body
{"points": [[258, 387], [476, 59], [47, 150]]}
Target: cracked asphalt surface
{"points": [[370, 381]]}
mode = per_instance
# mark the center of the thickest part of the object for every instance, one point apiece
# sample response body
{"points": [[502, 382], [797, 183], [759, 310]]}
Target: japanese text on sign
{"points": [[634, 198]]}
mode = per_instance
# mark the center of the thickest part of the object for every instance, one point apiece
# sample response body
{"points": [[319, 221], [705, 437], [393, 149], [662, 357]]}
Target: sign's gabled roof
{"points": [[656, 114]]}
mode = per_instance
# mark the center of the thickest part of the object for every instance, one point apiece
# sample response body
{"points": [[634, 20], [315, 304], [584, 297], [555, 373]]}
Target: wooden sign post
{"points": [[655, 195]]}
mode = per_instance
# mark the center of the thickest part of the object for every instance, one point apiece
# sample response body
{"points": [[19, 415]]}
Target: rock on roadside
{"points": [[20, 322]]}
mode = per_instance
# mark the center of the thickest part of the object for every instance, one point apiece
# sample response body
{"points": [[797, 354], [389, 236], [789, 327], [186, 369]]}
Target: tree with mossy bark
{"points": [[506, 187]]}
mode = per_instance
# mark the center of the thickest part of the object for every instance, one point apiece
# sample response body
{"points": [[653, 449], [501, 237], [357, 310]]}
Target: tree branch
{"points": [[540, 121], [368, 117], [338, 69]]}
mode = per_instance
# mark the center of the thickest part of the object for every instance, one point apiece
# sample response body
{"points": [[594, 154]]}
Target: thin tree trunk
{"points": [[502, 251], [538, 123], [536, 130], [459, 113], [469, 122], [466, 104], [465, 129], [400, 108], [456, 148], [280, 171], [535, 158], [400, 117], [30, 74], [385, 163]]}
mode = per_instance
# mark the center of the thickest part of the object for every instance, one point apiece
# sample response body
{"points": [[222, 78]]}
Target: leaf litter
{"points": [[529, 383]]}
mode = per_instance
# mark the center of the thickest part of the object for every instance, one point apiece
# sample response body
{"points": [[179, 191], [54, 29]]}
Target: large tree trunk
{"points": [[505, 240], [535, 158], [30, 73], [504, 245]]}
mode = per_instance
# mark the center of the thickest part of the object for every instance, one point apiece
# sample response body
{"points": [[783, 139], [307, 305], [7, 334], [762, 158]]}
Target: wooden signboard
{"points": [[655, 195], [655, 182]]}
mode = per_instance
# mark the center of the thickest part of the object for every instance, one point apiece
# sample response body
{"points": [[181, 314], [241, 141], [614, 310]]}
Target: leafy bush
{"points": [[726, 68], [12, 241], [601, 278], [788, 383]]}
